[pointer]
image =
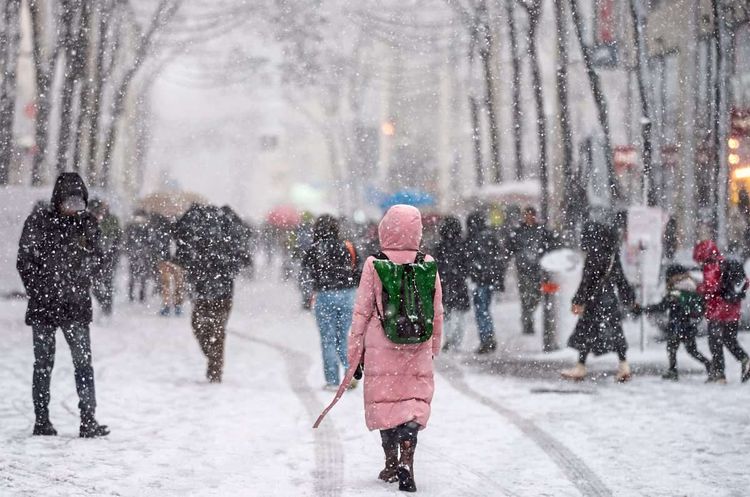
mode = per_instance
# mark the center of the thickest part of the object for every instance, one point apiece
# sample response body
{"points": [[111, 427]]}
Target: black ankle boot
{"points": [[44, 428], [90, 428]]}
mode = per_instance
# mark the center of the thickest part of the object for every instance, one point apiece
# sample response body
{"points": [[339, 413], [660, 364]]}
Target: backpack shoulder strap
{"points": [[381, 256]]}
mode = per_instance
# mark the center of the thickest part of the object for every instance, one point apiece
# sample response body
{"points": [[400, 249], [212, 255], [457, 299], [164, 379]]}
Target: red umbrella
{"points": [[284, 216]]}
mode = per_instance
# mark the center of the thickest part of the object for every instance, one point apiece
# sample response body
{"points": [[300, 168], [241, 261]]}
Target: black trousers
{"points": [[394, 436], [673, 344], [720, 335], [79, 340]]}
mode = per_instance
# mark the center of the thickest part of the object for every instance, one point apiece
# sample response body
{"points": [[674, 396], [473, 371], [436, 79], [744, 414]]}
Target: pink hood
{"points": [[401, 228]]}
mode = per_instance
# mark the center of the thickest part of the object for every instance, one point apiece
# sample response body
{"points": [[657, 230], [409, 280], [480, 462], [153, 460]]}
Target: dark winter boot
{"points": [[390, 447], [487, 347], [671, 374], [44, 428], [405, 470], [90, 428], [745, 369]]}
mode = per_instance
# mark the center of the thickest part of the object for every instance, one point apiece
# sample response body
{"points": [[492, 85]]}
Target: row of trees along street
{"points": [[90, 57]]}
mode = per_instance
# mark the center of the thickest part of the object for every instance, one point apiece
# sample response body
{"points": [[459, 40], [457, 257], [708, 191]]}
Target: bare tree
{"points": [[648, 180], [533, 10], [516, 110], [9, 41], [161, 16], [45, 49], [599, 100]]}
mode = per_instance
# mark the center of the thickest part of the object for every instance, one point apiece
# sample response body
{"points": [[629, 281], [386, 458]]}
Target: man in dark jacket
{"points": [[210, 251], [486, 269], [57, 247], [104, 270], [527, 243], [333, 268], [454, 270]]}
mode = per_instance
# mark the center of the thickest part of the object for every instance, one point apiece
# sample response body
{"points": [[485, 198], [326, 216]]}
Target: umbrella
{"points": [[416, 198], [284, 216], [169, 204]]}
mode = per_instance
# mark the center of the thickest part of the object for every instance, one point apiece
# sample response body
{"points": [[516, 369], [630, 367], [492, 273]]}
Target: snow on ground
{"points": [[490, 435]]}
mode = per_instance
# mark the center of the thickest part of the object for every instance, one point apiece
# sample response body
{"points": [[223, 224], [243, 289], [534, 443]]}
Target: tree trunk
{"points": [[104, 13], [68, 42], [599, 100], [648, 181], [569, 202], [515, 90], [9, 45], [541, 120], [485, 56], [476, 140], [720, 123], [84, 95], [44, 70]]}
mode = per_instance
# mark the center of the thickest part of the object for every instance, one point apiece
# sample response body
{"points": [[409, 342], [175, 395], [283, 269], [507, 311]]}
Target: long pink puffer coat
{"points": [[399, 380]]}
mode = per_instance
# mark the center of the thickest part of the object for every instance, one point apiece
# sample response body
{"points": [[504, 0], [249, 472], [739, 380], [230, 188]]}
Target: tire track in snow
{"points": [[328, 478], [583, 477]]}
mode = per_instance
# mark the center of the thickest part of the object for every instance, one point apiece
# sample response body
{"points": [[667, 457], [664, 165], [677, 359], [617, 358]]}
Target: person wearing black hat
{"points": [[685, 309], [56, 251]]}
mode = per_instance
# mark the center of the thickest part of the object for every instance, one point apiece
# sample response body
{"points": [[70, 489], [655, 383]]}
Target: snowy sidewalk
{"points": [[173, 434]]}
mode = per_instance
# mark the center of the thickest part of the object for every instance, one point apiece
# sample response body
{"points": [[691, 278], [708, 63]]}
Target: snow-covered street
{"points": [[174, 434]]}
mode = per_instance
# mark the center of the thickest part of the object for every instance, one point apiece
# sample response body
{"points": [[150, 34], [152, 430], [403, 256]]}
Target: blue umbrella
{"points": [[417, 198]]}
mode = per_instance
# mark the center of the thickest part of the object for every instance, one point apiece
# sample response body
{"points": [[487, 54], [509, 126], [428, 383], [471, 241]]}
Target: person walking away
{"points": [[454, 269], [140, 263], [528, 243], [332, 266], [486, 269], [724, 286], [210, 247], [171, 277], [602, 290], [394, 340], [56, 249], [685, 309], [304, 243], [104, 272]]}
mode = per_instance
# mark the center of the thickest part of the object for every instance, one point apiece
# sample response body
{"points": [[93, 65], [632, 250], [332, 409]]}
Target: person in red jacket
{"points": [[723, 317]]}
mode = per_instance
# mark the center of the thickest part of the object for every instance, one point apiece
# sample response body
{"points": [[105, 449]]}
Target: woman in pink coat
{"points": [[398, 378]]}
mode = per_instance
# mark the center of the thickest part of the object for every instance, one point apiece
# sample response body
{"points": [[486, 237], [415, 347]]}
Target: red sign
{"points": [[670, 155], [625, 157], [29, 110], [605, 22]]}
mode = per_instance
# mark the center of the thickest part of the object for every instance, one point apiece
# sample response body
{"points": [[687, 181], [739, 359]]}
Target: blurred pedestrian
{"points": [[397, 363], [454, 271], [685, 308], [104, 272], [171, 276], [598, 301], [528, 243], [331, 264], [210, 248], [55, 253], [486, 269], [724, 286], [140, 256]]}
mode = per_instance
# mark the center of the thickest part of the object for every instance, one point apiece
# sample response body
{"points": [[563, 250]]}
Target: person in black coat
{"points": [[528, 243], [58, 247], [332, 264], [211, 248], [598, 302], [486, 269], [453, 267]]}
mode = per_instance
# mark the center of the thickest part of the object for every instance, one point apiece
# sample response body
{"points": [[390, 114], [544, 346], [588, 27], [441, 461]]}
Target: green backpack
{"points": [[408, 298]]}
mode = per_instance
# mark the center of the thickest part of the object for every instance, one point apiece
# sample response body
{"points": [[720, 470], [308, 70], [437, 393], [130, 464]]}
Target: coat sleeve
{"points": [[437, 323], [711, 280], [626, 292], [28, 263], [364, 308], [660, 307], [585, 290]]}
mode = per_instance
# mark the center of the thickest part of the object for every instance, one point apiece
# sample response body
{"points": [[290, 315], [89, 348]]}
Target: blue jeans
{"points": [[333, 313], [482, 300], [79, 341]]}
